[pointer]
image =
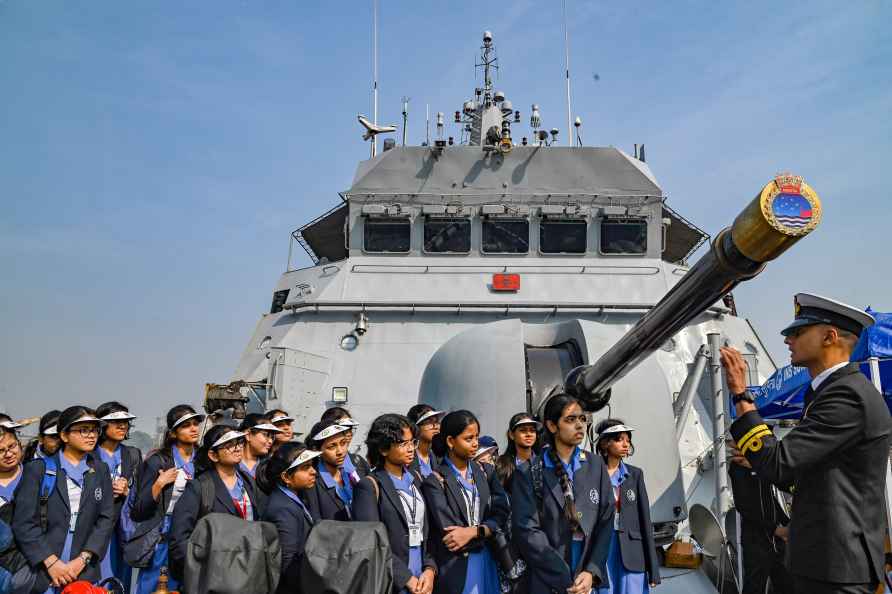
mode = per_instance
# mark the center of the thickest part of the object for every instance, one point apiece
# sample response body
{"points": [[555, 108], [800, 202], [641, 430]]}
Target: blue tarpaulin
{"points": [[781, 396]]}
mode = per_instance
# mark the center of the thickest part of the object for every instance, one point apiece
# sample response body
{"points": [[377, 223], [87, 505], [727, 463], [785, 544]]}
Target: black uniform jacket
{"points": [[446, 505], [416, 465], [362, 465], [760, 511], [835, 460], [131, 458], [294, 529], [324, 502], [95, 520], [636, 533], [387, 507], [542, 533], [188, 508], [145, 508]]}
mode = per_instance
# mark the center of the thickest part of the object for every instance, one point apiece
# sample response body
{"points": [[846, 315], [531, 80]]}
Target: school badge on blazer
{"points": [[97, 494], [594, 497]]}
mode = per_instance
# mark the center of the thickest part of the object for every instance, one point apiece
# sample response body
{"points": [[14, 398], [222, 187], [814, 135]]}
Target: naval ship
{"points": [[482, 272]]}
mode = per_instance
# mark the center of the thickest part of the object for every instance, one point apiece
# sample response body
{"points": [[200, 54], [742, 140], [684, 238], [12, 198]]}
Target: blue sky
{"points": [[156, 155]]}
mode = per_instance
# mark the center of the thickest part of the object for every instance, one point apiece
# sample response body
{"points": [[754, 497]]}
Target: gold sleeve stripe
{"points": [[755, 442], [749, 434]]}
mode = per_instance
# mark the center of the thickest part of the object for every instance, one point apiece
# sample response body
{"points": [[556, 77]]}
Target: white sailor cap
{"points": [[615, 429], [119, 415], [187, 417], [84, 418], [526, 421], [51, 430], [483, 451], [813, 309], [329, 431], [265, 427], [11, 425], [428, 415], [348, 423], [304, 457], [226, 437], [280, 418]]}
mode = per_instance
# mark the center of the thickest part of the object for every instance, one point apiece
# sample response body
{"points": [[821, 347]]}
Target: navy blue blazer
{"points": [[542, 534], [294, 529], [636, 533], [447, 508], [416, 465], [188, 507], [95, 520], [324, 502], [145, 508], [387, 507], [131, 459]]}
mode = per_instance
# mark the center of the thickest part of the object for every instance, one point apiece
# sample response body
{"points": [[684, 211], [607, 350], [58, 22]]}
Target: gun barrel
{"points": [[785, 210]]}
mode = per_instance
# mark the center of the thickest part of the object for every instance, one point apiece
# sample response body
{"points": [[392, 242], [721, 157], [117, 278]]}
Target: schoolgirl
{"points": [[291, 473], [523, 441], [428, 422], [234, 491], [632, 563], [284, 423], [467, 507], [354, 464], [391, 494], [123, 463], [562, 506], [331, 497], [259, 434], [47, 441], [162, 479], [10, 471], [64, 538]]}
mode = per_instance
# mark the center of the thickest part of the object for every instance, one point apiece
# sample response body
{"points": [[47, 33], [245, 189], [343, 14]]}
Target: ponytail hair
{"points": [[452, 425], [554, 410], [269, 475]]}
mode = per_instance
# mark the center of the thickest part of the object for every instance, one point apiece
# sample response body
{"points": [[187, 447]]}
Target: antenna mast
{"points": [[375, 67], [567, 71]]}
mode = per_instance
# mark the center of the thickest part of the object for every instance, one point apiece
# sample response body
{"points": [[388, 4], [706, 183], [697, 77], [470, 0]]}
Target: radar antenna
{"points": [[567, 71]]}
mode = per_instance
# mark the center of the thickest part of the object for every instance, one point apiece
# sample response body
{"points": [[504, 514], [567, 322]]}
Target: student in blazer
{"points": [[428, 422], [467, 506], [234, 490], [162, 479], [632, 563], [331, 497], [288, 473], [79, 522], [391, 494], [562, 506]]}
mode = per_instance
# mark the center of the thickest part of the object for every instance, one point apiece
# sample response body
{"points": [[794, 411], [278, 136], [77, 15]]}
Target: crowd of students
{"points": [[544, 516]]}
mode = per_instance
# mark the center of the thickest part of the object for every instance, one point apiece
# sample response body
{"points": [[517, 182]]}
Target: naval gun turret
{"points": [[785, 210]]}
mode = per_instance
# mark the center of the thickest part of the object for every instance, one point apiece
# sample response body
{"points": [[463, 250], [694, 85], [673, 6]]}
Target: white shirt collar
{"points": [[819, 379]]}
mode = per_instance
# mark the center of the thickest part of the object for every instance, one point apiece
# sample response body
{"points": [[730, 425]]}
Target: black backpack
{"points": [[11, 558]]}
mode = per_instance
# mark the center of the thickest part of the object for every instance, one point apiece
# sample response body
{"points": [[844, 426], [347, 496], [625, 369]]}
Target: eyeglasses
{"points": [[431, 423], [12, 449], [404, 445], [233, 446], [85, 431], [574, 419]]}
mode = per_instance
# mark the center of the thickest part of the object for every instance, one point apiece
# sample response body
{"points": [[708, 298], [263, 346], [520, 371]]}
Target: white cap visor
{"points": [[526, 421], [329, 431], [11, 425], [226, 437], [485, 451], [266, 427], [348, 422], [81, 419], [281, 418], [428, 415], [187, 417], [304, 457], [51, 430], [118, 416], [615, 429]]}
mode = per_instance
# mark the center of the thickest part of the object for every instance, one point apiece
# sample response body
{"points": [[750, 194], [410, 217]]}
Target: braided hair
{"points": [[554, 410]]}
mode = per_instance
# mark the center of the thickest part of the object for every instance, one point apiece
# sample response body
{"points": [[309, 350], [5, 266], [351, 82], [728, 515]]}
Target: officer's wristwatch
{"points": [[746, 396]]}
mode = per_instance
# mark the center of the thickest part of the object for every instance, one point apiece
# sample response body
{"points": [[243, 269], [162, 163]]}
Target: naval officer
{"points": [[835, 459]]}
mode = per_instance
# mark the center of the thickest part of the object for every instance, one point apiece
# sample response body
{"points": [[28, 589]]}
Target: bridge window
{"points": [[623, 236], [443, 236], [387, 235], [562, 237], [506, 236]]}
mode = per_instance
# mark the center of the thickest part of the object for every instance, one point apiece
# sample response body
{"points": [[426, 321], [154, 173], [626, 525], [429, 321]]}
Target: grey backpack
{"points": [[347, 558], [227, 555]]}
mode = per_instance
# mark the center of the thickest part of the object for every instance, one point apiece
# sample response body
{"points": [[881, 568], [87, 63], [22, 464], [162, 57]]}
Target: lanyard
{"points": [[411, 502], [471, 500]]}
